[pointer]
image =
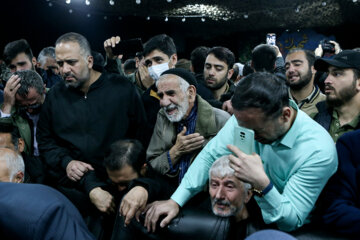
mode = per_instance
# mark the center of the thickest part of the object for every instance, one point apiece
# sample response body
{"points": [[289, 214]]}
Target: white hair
{"points": [[48, 52], [221, 168], [14, 162]]}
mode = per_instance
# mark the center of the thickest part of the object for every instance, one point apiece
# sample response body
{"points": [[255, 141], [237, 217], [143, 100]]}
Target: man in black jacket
{"points": [[80, 118]]}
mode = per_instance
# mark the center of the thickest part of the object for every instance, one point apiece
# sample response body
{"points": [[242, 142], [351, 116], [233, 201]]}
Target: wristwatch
{"points": [[261, 193]]}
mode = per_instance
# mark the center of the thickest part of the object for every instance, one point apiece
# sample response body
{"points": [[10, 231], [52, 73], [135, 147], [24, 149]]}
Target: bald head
{"points": [[12, 166]]}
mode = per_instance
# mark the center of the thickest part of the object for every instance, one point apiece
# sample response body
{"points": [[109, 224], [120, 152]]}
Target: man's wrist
{"points": [[263, 192]]}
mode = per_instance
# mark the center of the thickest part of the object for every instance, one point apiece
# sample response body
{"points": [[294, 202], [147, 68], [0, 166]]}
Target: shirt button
{"points": [[337, 124]]}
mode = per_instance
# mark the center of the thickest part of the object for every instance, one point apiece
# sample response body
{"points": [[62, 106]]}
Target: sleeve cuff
{"points": [[181, 195], [4, 115], [65, 161], [270, 200]]}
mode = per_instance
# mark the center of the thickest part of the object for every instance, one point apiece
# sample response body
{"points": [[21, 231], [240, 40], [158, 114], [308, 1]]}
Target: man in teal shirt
{"points": [[294, 156]]}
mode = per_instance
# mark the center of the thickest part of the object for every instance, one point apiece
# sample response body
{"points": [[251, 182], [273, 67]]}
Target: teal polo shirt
{"points": [[298, 164]]}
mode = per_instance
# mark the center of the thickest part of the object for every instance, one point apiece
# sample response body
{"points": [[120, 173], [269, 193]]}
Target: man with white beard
{"points": [[185, 123]]}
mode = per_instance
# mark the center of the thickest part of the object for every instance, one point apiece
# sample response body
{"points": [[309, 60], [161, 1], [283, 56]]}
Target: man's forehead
{"points": [[21, 57], [168, 80], [212, 59], [156, 53], [225, 180]]}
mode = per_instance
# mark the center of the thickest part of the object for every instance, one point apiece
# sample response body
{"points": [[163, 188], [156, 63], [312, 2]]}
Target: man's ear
{"points": [[230, 73], [192, 93], [21, 145], [90, 61], [286, 114], [313, 70], [34, 62], [248, 197], [173, 60], [19, 177]]}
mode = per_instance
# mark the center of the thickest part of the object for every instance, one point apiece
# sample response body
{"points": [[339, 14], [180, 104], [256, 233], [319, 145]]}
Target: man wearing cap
{"points": [[185, 123], [341, 110]]}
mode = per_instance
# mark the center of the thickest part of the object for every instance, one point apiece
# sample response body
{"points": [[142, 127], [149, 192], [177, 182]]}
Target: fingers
{"points": [[130, 214], [111, 42], [87, 166], [235, 150], [167, 219], [182, 133]]}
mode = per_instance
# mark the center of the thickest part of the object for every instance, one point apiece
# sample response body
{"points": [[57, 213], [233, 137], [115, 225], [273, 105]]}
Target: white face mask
{"points": [[156, 70]]}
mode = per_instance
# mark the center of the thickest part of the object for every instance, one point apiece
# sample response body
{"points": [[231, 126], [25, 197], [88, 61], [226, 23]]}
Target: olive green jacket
{"points": [[208, 122]]}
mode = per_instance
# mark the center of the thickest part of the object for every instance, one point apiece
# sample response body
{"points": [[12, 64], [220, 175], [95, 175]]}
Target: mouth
{"points": [[293, 78], [69, 78], [328, 90], [171, 110], [210, 80]]}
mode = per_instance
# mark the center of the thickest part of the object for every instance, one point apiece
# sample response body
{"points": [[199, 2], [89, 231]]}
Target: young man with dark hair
{"points": [[18, 56], [217, 72], [340, 113], [294, 157], [300, 73]]}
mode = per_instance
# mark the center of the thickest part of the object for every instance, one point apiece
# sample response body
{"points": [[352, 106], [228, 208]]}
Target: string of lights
{"points": [[190, 11]]}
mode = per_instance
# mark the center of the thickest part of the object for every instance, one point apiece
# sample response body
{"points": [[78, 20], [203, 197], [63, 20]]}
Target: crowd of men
{"points": [[135, 147]]}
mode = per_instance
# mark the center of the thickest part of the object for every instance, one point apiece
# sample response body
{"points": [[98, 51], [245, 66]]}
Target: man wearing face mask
{"points": [[159, 56]]}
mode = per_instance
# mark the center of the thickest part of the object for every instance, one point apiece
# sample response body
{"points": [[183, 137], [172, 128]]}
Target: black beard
{"points": [[344, 96], [303, 81]]}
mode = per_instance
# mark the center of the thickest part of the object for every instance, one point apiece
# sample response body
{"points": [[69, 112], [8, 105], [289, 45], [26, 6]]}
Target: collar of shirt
{"points": [[308, 99], [290, 136]]}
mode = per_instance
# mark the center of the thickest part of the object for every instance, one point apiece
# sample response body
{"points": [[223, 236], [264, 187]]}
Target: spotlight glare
{"points": [[138, 1], [87, 2], [246, 16], [168, 1], [166, 19], [70, 11], [68, 1], [148, 18], [50, 4], [111, 2], [324, 4], [203, 19], [88, 15]]}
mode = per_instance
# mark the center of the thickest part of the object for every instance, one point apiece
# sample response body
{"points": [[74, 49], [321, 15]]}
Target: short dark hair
{"points": [[161, 42], [263, 58], [261, 90], [28, 79], [198, 57], [13, 131], [12, 49], [309, 55], [223, 54], [130, 65], [78, 38], [125, 152], [247, 68]]}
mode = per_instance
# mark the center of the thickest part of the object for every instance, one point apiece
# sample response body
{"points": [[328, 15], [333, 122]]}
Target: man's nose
{"points": [[165, 101], [328, 79], [220, 193]]}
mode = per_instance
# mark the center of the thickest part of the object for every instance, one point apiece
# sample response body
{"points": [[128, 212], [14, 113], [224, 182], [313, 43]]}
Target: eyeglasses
{"points": [[31, 106]]}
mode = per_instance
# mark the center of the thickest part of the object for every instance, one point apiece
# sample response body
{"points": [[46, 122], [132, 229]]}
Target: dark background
{"points": [[41, 25]]}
